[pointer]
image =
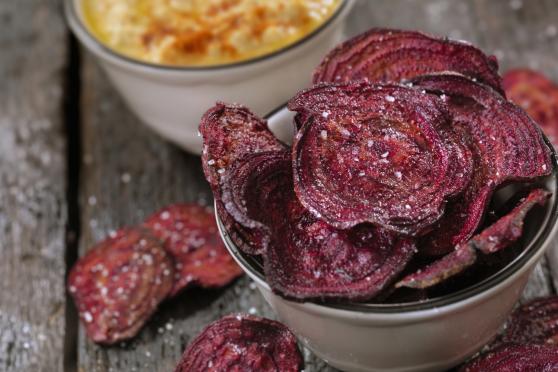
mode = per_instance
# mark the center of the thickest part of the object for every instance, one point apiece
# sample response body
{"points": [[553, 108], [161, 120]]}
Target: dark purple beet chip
{"points": [[509, 228], [229, 133], [446, 267], [500, 235], [249, 192], [507, 146], [119, 283], [308, 259], [375, 154], [242, 343], [384, 55], [536, 94], [535, 322], [516, 358]]}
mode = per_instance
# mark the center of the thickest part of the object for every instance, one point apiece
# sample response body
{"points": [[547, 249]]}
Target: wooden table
{"points": [[75, 164]]}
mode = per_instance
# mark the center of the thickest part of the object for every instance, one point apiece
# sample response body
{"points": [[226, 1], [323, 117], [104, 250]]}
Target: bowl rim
{"points": [[80, 29], [533, 247]]}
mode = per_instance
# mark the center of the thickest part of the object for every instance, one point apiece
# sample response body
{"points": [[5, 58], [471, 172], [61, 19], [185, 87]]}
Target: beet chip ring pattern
{"points": [[190, 237], [119, 283], [384, 55], [230, 132], [507, 144], [373, 154], [242, 343]]}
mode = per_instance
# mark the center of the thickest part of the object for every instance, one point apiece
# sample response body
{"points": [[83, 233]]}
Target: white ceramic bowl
{"points": [[171, 100], [431, 335]]}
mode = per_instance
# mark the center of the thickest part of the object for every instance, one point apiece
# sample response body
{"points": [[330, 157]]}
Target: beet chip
{"points": [[510, 227], [507, 146], [252, 188], [537, 95], [446, 267], [535, 322], [383, 55], [119, 283], [230, 132], [516, 358], [190, 236], [378, 154], [500, 235], [243, 343]]}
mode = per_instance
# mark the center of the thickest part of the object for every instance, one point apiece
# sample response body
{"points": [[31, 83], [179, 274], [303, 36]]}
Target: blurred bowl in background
{"points": [[172, 99]]}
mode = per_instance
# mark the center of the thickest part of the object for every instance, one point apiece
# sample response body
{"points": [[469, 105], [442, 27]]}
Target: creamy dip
{"points": [[202, 32]]}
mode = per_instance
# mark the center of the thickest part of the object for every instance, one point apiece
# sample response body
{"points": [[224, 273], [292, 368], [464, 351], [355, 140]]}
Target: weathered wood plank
{"points": [[32, 188]]}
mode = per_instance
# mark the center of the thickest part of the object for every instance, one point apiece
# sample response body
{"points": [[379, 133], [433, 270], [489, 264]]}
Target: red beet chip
{"points": [[500, 235], [440, 270], [119, 283], [251, 189], [507, 146], [229, 133], [243, 343], [383, 55], [190, 237], [375, 154], [516, 358], [310, 260], [510, 227], [535, 322], [537, 95]]}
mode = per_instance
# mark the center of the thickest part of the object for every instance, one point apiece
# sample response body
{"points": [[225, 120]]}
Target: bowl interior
{"points": [[537, 230]]}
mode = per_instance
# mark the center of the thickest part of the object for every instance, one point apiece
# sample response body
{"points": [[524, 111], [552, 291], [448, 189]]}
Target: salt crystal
{"points": [[325, 114], [323, 134], [390, 98], [126, 177], [87, 317], [385, 154]]}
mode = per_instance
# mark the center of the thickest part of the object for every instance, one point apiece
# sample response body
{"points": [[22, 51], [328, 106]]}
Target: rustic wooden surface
{"points": [[32, 187], [74, 161]]}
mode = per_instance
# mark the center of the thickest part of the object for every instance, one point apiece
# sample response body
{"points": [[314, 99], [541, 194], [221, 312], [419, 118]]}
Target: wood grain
{"points": [[32, 188]]}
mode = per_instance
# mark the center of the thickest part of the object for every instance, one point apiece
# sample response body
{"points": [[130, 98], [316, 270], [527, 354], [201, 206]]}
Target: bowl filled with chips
{"points": [[170, 60], [392, 213]]}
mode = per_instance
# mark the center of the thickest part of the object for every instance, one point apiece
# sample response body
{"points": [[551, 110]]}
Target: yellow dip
{"points": [[203, 32]]}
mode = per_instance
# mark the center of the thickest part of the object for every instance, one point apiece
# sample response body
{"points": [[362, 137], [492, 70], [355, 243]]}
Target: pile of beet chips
{"points": [[398, 150]]}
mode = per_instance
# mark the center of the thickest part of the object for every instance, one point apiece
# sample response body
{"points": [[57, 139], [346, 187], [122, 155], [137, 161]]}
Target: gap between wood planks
{"points": [[72, 124]]}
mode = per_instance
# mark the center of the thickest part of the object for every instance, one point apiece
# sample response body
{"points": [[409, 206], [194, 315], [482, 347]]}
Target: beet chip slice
{"points": [[229, 133], [507, 146], [375, 154], [500, 235], [510, 227], [243, 343], [536, 94], [516, 358], [383, 55], [252, 188], [310, 260], [446, 267], [535, 322], [119, 283], [190, 237]]}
